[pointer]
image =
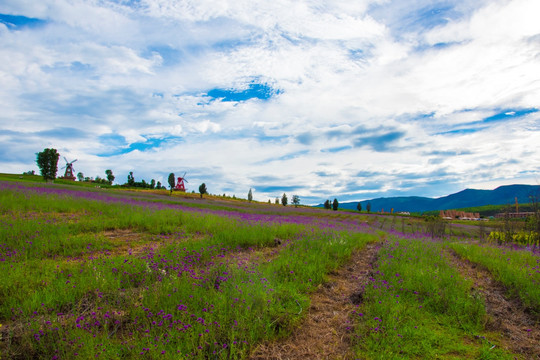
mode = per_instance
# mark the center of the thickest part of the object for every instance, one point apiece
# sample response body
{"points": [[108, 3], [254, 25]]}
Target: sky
{"points": [[342, 99]]}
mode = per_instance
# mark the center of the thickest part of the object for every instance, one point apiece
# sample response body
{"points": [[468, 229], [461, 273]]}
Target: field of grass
{"points": [[114, 274], [518, 270]]}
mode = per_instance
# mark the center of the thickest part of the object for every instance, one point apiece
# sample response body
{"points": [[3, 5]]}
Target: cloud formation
{"points": [[351, 99]]}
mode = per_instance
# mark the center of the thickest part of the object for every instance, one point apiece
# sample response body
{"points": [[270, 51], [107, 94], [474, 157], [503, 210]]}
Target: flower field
{"points": [[111, 274]]}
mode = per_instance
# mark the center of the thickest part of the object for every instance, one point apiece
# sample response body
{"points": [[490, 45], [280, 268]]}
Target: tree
{"points": [[250, 195], [284, 200], [158, 185], [80, 176], [368, 207], [203, 190], [110, 176], [131, 179], [296, 200], [276, 201], [335, 204], [359, 206], [152, 184], [47, 161], [171, 181], [327, 205]]}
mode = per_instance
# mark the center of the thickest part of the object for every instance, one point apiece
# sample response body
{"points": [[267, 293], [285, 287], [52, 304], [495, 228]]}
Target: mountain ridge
{"points": [[501, 195]]}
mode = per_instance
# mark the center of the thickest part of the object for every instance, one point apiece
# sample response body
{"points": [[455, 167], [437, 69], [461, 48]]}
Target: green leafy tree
{"points": [[47, 161], [171, 181], [276, 201], [250, 195], [359, 206], [284, 200], [131, 179], [110, 176], [158, 185], [296, 200], [327, 205], [152, 184], [80, 176], [203, 190], [368, 207], [335, 205]]}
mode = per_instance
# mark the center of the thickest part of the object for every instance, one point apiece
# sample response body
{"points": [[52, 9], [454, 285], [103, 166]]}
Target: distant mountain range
{"points": [[467, 198]]}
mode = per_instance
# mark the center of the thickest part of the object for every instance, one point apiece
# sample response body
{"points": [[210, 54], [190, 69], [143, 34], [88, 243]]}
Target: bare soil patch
{"points": [[326, 331], [520, 329]]}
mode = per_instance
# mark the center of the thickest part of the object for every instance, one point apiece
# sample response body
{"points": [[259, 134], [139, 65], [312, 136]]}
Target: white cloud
{"points": [[142, 71]]}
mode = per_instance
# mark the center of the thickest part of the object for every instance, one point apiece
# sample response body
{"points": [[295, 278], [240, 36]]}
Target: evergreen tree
{"points": [[250, 195], [327, 205], [359, 206], [368, 207], [284, 200], [47, 161], [335, 204]]}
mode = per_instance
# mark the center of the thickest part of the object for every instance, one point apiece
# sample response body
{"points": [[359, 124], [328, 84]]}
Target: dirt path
{"points": [[520, 329], [326, 330]]}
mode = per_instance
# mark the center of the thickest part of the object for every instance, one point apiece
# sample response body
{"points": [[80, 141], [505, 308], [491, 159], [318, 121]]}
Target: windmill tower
{"points": [[180, 186], [68, 175]]}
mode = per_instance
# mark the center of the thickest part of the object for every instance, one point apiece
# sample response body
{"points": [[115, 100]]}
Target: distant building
{"points": [[514, 215], [454, 214]]}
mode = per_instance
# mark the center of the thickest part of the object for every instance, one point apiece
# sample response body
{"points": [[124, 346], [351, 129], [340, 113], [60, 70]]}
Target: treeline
{"points": [[142, 184]]}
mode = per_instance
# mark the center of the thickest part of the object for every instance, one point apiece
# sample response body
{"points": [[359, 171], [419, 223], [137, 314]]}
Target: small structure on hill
{"points": [[180, 186], [462, 215], [69, 173], [514, 215]]}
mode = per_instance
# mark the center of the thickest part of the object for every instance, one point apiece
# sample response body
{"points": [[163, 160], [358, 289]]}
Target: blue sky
{"points": [[348, 99]]}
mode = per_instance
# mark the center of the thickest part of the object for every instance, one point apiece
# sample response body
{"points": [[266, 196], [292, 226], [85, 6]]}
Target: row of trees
{"points": [[284, 199], [107, 180], [47, 161], [335, 204], [142, 184]]}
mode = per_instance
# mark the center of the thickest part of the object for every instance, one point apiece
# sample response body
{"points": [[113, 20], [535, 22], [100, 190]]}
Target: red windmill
{"points": [[180, 183], [69, 170]]}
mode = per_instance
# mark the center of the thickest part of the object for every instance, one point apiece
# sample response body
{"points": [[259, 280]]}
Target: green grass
{"points": [[184, 294], [518, 270], [416, 306]]}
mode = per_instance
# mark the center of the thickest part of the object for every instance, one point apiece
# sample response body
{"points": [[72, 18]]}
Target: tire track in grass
{"points": [[519, 328], [326, 331]]}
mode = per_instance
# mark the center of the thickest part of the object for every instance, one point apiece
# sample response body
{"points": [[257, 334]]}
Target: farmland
{"points": [[116, 274]]}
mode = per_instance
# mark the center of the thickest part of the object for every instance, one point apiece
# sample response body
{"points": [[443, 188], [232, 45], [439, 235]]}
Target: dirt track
{"points": [[327, 328], [519, 328]]}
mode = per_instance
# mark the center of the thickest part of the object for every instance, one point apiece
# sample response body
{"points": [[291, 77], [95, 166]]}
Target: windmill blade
{"points": [[185, 180], [65, 159], [74, 161], [62, 167], [184, 176]]}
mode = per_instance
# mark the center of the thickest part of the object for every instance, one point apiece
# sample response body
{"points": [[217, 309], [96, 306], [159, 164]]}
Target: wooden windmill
{"points": [[69, 170], [180, 186]]}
